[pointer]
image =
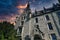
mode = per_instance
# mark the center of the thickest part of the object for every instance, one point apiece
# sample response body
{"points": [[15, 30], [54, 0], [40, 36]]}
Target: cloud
{"points": [[22, 6], [9, 9]]}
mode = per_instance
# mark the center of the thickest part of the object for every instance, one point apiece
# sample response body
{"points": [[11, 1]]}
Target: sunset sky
{"points": [[9, 9]]}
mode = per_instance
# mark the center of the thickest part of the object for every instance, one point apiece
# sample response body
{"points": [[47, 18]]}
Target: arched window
{"points": [[47, 17], [50, 26], [27, 37], [36, 20], [53, 37], [37, 37]]}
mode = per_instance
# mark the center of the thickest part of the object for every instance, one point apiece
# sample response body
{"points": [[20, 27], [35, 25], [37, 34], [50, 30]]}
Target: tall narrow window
{"points": [[22, 18], [47, 17], [50, 26], [53, 37], [20, 29], [36, 20], [22, 22]]}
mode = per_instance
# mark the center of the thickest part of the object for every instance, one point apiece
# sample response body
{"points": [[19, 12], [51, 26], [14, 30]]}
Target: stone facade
{"points": [[41, 25]]}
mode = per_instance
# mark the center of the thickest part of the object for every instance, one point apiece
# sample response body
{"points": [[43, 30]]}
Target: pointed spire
{"points": [[28, 5], [44, 10], [35, 11], [59, 1], [54, 5]]}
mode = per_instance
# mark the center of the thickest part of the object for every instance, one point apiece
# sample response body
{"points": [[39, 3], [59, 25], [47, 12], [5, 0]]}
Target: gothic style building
{"points": [[41, 25]]}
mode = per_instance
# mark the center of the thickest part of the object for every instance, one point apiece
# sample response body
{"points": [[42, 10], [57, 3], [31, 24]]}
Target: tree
{"points": [[7, 31]]}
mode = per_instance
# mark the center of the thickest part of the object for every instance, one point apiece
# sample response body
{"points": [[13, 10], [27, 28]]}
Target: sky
{"points": [[9, 9]]}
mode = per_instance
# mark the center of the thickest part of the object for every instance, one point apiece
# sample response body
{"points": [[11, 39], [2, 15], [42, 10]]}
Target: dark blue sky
{"points": [[9, 10]]}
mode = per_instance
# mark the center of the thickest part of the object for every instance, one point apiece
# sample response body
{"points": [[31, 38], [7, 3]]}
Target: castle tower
{"points": [[41, 25], [25, 16]]}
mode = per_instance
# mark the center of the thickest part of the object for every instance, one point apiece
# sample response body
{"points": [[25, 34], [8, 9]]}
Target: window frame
{"points": [[36, 20], [47, 17], [53, 36], [50, 26]]}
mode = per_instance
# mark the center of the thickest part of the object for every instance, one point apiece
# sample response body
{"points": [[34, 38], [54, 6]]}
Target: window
{"points": [[47, 17], [20, 29], [53, 37], [27, 37], [36, 20], [24, 17], [22, 22], [21, 18], [50, 26], [37, 37]]}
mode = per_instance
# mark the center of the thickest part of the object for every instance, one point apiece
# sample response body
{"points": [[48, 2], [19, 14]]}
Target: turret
{"points": [[28, 12], [35, 12], [28, 8], [59, 1], [54, 6], [44, 11]]}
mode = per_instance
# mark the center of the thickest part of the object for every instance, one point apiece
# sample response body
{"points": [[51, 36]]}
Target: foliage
{"points": [[7, 31]]}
